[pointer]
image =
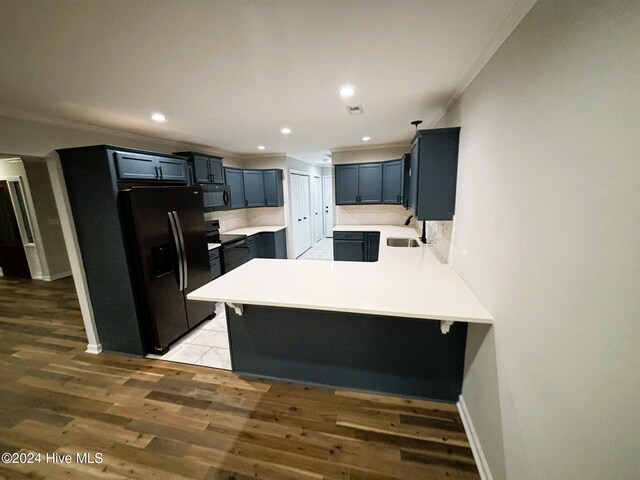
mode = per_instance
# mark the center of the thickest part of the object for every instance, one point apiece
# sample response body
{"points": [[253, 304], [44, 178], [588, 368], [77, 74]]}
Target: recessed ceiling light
{"points": [[158, 117], [347, 91], [261, 147], [285, 130], [366, 139]]}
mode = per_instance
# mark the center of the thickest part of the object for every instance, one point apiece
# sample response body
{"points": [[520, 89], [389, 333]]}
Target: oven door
{"points": [[235, 254], [216, 197]]}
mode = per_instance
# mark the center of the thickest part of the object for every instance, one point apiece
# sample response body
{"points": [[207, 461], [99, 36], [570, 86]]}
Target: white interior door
{"points": [[300, 214], [317, 209], [327, 199]]}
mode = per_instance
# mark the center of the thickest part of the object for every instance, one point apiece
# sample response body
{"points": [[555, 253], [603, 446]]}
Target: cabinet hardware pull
{"points": [[161, 176], [155, 169]]}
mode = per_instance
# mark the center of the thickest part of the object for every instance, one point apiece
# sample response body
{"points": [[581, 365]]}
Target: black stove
{"points": [[214, 235], [235, 248], [225, 239]]}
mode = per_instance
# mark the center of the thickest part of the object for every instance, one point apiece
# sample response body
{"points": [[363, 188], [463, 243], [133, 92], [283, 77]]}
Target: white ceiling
{"points": [[231, 73]]}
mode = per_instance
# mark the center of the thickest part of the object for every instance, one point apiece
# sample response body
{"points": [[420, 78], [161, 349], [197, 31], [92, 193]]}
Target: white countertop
{"points": [[404, 282], [211, 246], [248, 231]]}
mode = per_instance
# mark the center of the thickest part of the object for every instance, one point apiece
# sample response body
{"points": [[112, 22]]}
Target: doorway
{"points": [[327, 199], [300, 213], [13, 258], [318, 220]]}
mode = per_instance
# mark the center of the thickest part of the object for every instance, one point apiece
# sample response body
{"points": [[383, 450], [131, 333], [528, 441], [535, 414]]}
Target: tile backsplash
{"points": [[370, 215], [229, 219], [441, 235], [259, 217]]}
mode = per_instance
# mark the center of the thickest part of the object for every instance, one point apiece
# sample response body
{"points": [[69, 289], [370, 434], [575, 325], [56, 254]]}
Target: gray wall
{"points": [[548, 212]]}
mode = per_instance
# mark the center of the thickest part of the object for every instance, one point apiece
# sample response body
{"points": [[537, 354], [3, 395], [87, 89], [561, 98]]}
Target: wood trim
{"points": [[474, 441], [57, 276], [73, 250]]}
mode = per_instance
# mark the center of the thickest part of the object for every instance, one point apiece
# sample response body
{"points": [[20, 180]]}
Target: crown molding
{"points": [[31, 117], [378, 146], [506, 28]]}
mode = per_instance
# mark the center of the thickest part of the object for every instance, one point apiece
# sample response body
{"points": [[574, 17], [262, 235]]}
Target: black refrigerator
{"points": [[168, 253]]}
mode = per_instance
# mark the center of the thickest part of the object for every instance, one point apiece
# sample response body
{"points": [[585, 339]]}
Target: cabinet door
{"points": [[437, 153], [216, 173], [346, 184], [201, 169], [280, 243], [136, 166], [373, 246], [265, 245], [392, 180], [370, 183], [253, 188], [236, 185], [273, 188], [413, 178], [252, 246], [348, 250], [172, 169]]}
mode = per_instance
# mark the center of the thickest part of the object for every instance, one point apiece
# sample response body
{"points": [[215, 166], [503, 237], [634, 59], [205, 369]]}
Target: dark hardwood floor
{"points": [[153, 419]]}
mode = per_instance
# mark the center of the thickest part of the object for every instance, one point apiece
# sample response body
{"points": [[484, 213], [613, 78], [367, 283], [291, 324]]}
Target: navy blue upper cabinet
{"points": [[206, 168], [434, 171], [346, 184], [172, 169], [200, 169], [370, 183], [215, 170], [133, 166], [273, 188], [236, 185], [253, 188], [393, 182]]}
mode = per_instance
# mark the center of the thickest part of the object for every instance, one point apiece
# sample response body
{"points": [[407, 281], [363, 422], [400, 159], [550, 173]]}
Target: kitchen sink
{"points": [[402, 242]]}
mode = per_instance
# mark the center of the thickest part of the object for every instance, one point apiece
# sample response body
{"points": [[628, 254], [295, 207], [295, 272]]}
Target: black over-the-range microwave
{"points": [[216, 197]]}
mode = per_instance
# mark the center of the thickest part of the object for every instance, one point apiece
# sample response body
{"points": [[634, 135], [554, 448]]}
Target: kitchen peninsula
{"points": [[397, 325]]}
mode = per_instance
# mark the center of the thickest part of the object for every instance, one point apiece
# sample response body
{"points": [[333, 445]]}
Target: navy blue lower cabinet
{"points": [[271, 244], [215, 263], [348, 246], [356, 246], [394, 355]]}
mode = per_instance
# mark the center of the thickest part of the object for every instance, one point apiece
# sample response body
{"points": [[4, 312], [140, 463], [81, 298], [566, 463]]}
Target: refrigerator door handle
{"points": [[176, 241], [183, 251]]}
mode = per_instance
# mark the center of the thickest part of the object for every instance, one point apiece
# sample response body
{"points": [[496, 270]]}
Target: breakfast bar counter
{"points": [[397, 325]]}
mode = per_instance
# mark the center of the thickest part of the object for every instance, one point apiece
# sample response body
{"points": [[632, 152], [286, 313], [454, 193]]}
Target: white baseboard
{"points": [[93, 348], [476, 448], [50, 278]]}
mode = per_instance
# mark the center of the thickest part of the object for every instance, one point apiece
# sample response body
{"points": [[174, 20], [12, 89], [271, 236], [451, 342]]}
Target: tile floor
{"points": [[321, 250], [207, 345]]}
